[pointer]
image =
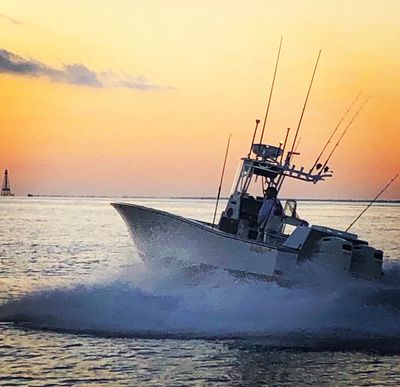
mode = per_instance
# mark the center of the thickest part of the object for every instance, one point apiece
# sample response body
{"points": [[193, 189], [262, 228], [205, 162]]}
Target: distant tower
{"points": [[5, 189]]}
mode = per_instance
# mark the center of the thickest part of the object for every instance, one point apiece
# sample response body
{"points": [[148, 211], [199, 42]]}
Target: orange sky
{"points": [[209, 66]]}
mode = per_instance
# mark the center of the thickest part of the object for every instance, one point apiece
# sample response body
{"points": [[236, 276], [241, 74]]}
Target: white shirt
{"points": [[267, 210]]}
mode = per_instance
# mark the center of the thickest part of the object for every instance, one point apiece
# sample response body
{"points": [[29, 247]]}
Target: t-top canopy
{"points": [[266, 151]]}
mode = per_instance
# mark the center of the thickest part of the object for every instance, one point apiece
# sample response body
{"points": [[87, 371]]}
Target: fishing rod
{"points": [[288, 159], [271, 91], [334, 131], [222, 178], [294, 153], [284, 144], [254, 136], [305, 102], [342, 135], [291, 152], [372, 202], [297, 146]]}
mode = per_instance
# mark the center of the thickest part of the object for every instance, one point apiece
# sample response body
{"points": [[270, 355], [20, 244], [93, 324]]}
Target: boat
{"points": [[238, 242]]}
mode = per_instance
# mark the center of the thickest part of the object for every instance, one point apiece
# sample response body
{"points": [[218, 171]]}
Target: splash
{"points": [[174, 301]]}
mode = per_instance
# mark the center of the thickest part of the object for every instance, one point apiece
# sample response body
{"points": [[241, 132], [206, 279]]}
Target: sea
{"points": [[79, 307]]}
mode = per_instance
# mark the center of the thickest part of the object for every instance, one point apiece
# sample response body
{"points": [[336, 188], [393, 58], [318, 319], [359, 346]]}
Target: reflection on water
{"points": [[38, 358], [73, 263]]}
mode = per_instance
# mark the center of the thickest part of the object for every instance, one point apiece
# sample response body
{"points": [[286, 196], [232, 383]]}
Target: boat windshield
{"points": [[239, 181], [237, 177]]}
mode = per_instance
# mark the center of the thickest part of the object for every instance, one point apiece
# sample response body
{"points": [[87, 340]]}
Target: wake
{"points": [[170, 302]]}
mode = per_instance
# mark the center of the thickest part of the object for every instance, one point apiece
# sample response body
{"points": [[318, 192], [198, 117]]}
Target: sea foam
{"points": [[174, 301]]}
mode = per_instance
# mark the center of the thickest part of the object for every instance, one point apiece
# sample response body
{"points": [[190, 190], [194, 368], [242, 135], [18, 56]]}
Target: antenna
{"points": [[334, 131], [272, 89], [222, 179], [254, 136], [305, 102], [372, 202], [344, 132]]}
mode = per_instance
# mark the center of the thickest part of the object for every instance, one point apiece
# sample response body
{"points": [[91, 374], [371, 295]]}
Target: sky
{"points": [[138, 98]]}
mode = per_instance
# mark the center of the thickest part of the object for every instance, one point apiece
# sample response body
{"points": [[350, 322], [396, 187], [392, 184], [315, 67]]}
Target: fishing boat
{"points": [[238, 242]]}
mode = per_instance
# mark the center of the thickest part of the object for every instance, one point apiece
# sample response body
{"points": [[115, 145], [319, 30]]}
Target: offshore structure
{"points": [[5, 188]]}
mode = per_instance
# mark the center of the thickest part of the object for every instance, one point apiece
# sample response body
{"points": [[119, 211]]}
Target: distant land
{"points": [[206, 198]]}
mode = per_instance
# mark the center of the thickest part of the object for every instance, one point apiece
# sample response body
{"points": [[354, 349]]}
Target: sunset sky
{"points": [[139, 97]]}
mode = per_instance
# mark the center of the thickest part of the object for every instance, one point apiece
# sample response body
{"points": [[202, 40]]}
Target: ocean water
{"points": [[78, 307]]}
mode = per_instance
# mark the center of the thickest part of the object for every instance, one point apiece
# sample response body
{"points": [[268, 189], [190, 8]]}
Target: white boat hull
{"points": [[159, 235]]}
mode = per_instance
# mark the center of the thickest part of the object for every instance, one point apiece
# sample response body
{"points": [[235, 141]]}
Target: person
{"points": [[271, 212]]}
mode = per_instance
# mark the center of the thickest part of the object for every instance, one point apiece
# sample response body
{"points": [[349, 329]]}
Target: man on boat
{"points": [[271, 213]]}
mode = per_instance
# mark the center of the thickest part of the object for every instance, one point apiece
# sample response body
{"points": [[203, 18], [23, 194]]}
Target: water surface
{"points": [[78, 307]]}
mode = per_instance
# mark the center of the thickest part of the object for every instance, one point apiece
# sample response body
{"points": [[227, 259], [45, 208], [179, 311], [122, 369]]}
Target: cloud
{"points": [[10, 19], [73, 74]]}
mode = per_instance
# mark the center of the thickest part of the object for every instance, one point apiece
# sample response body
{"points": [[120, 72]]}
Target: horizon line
{"points": [[192, 197]]}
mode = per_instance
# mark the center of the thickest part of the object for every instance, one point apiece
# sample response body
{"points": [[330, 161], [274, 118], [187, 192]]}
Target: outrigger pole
{"points": [[222, 179], [272, 89], [344, 132], [305, 102], [372, 202], [334, 131]]}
